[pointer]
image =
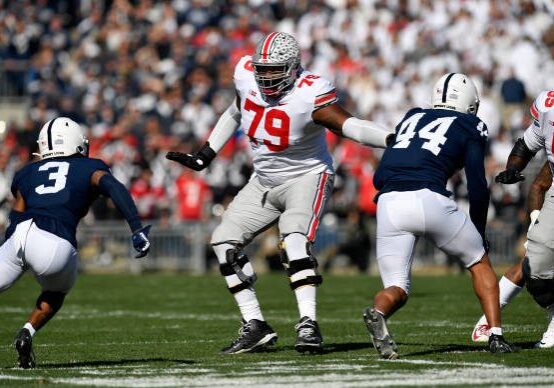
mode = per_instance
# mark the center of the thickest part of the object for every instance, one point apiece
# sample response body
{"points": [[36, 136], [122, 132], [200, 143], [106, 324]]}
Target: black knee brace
{"points": [[542, 290], [235, 262], [296, 266], [53, 298]]}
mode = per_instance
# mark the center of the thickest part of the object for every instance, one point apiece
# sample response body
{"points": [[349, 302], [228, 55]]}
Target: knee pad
{"points": [[54, 299], [235, 261], [542, 290], [303, 271]]}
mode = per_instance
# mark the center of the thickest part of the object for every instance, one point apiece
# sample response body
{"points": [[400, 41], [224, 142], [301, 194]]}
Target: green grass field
{"points": [[166, 330]]}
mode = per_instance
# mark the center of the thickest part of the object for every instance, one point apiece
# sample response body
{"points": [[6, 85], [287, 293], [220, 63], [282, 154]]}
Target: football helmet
{"points": [[61, 137], [456, 91], [276, 63]]}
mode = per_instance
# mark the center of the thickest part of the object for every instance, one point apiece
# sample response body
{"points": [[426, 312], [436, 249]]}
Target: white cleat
{"points": [[481, 331], [547, 340]]}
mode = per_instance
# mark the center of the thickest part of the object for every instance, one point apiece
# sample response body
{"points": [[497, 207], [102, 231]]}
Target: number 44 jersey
{"points": [[57, 193], [285, 141], [430, 145]]}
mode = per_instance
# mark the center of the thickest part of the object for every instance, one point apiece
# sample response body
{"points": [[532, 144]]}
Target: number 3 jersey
{"points": [[540, 133], [57, 193], [285, 141], [430, 145]]}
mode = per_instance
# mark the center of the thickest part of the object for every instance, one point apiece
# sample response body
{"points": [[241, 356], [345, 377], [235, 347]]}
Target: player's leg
{"points": [[247, 215], [304, 200], [11, 264], [399, 217], [510, 285], [538, 267], [454, 233], [53, 261]]}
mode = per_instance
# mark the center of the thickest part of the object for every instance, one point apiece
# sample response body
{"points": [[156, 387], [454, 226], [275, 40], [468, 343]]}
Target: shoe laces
{"points": [[306, 328]]}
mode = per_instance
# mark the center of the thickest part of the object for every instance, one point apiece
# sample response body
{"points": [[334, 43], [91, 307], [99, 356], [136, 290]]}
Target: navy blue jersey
{"points": [[57, 193], [432, 144]]}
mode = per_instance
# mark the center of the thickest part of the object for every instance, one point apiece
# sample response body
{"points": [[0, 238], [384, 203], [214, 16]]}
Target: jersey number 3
{"points": [[59, 176], [434, 132], [276, 123]]}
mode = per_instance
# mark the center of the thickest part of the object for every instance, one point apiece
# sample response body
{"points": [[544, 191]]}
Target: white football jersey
{"points": [[285, 141], [541, 132]]}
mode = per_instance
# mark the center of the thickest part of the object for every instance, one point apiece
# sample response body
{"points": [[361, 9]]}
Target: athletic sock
{"points": [[306, 298], [249, 305], [508, 291], [246, 299], [31, 329], [496, 330]]}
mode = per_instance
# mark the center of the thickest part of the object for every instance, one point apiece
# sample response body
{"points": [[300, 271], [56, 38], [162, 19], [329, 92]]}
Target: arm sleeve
{"points": [[111, 187], [225, 127], [366, 132], [533, 137], [477, 187]]}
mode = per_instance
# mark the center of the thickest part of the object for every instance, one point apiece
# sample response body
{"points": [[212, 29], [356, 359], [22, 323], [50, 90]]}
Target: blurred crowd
{"points": [[144, 77]]}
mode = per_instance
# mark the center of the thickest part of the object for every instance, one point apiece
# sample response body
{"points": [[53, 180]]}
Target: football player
{"points": [[284, 110], [430, 145], [537, 268], [51, 196]]}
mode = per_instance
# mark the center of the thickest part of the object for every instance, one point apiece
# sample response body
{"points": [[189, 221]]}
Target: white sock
{"points": [[508, 291], [496, 330], [30, 327], [306, 298], [249, 305], [246, 299]]}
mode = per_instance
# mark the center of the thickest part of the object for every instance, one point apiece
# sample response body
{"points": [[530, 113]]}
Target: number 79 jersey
{"points": [[430, 145], [57, 193], [285, 141]]}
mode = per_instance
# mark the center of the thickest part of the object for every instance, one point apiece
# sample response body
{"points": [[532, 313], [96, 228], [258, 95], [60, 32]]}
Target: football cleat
{"points": [[308, 336], [481, 331], [382, 340], [497, 344], [547, 340], [253, 335], [23, 344]]}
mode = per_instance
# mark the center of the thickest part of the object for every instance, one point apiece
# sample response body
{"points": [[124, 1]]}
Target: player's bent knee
{"points": [[302, 271], [542, 290], [237, 269], [54, 299]]}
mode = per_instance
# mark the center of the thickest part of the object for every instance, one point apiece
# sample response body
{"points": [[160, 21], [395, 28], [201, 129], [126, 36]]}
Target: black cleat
{"points": [[23, 344], [308, 336], [497, 344], [253, 335], [382, 340]]}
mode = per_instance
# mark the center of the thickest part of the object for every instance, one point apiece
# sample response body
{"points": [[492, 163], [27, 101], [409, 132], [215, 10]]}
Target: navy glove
{"points": [[197, 161], [140, 241], [509, 176]]}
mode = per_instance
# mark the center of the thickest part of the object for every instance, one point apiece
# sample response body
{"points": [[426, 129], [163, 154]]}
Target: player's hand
{"points": [[141, 242], [509, 176], [197, 161]]}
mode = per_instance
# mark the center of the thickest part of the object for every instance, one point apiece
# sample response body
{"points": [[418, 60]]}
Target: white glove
{"points": [[534, 216]]}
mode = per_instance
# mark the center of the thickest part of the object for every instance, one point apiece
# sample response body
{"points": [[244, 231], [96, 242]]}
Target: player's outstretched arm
{"points": [[517, 161], [222, 132], [111, 187], [338, 120]]}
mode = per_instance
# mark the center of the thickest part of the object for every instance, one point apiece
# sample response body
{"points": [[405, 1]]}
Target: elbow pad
{"points": [[366, 132], [521, 150], [227, 124]]}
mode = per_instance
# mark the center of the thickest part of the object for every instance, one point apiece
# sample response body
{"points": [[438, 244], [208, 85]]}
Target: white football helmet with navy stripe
{"points": [[61, 137], [276, 63], [456, 91]]}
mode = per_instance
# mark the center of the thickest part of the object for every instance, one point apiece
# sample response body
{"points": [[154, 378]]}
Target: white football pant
{"points": [[51, 259], [404, 216]]}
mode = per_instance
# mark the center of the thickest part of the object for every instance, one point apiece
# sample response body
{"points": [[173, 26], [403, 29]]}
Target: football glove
{"points": [[509, 176], [197, 161], [141, 242]]}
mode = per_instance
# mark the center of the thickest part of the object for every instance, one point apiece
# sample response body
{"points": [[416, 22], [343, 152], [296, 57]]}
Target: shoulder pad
{"points": [[243, 67], [98, 164], [320, 89], [544, 102]]}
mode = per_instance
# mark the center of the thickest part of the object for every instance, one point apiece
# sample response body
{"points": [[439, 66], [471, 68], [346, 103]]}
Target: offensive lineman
{"points": [[537, 267], [284, 110], [430, 145], [51, 196]]}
